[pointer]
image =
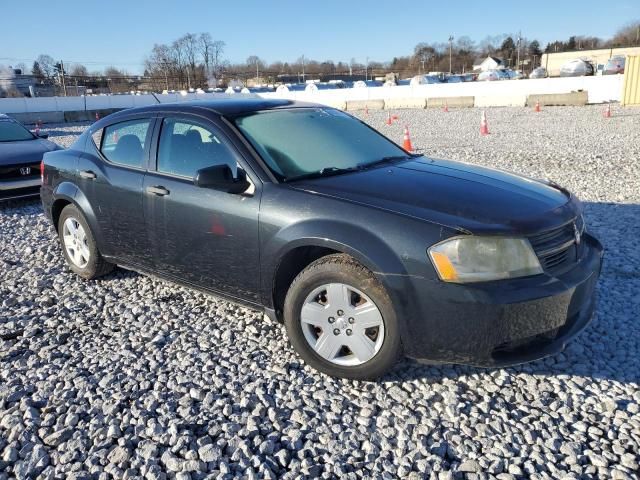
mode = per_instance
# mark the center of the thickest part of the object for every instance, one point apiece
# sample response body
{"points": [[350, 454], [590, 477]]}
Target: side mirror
{"points": [[220, 177]]}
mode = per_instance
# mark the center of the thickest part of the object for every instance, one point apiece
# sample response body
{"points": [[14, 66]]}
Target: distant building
{"points": [[13, 82], [485, 64], [553, 62]]}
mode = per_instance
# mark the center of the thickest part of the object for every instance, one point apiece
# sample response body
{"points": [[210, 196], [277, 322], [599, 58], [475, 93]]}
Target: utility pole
{"points": [[518, 53], [450, 50], [166, 77], [303, 80], [366, 70], [257, 71], [64, 86]]}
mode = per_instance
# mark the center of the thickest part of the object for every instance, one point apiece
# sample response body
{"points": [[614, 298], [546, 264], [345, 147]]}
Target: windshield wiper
{"points": [[390, 159], [324, 172], [328, 171]]}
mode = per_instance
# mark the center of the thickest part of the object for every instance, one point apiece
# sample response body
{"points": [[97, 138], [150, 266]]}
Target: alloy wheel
{"points": [[75, 242]]}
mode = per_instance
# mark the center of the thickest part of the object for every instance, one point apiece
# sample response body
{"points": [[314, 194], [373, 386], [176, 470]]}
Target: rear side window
{"points": [[123, 143], [186, 147]]}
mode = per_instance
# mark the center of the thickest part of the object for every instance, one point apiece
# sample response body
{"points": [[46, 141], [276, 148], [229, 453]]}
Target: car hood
{"points": [[27, 151], [453, 194]]}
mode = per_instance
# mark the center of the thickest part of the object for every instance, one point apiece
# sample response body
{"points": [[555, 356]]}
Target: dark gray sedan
{"points": [[20, 155], [365, 251]]}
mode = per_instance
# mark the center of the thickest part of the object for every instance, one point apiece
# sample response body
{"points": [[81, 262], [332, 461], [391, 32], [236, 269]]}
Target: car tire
{"points": [[83, 242], [317, 332]]}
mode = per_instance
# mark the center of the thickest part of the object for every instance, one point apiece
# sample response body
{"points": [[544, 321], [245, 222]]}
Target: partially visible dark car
{"points": [[365, 251], [615, 65], [20, 155]]}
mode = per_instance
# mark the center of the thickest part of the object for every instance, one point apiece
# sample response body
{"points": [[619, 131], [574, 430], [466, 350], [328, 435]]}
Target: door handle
{"points": [[88, 174], [158, 190]]}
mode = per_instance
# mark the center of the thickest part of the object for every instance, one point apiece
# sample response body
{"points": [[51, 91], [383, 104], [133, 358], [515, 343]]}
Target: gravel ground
{"points": [[130, 376]]}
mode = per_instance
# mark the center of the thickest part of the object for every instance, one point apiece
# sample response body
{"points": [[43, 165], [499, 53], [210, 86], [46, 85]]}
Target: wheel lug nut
{"points": [[340, 313], [351, 320], [336, 331], [331, 319], [349, 332]]}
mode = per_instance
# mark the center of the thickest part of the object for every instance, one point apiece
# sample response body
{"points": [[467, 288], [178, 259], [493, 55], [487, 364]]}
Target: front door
{"points": [[111, 178], [203, 236]]}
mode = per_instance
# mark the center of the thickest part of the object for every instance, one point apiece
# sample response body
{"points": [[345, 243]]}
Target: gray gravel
{"points": [[134, 377]]}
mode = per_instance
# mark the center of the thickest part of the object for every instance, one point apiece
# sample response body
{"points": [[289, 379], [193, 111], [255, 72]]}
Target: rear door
{"points": [[111, 177], [203, 236]]}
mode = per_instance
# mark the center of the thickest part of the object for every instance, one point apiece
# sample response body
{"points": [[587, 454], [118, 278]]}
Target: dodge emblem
{"points": [[25, 170]]}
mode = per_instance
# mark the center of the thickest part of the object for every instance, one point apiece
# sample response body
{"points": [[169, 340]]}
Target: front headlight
{"points": [[480, 259]]}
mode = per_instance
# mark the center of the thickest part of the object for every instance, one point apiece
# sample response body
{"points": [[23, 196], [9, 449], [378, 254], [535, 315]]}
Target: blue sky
{"points": [[123, 32]]}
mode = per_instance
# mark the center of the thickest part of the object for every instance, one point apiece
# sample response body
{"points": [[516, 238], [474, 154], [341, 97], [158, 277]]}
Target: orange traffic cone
{"points": [[484, 127], [537, 107], [445, 108], [389, 121], [607, 112], [395, 117], [406, 144]]}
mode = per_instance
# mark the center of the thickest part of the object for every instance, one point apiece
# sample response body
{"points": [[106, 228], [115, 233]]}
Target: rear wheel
{"points": [[79, 246], [341, 320]]}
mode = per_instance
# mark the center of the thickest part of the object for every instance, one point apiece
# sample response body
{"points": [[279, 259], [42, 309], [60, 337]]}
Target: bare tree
{"points": [[79, 70], [47, 65], [190, 43], [205, 47], [627, 36], [217, 49]]}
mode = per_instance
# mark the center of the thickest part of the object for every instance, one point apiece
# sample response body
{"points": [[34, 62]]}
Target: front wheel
{"points": [[340, 319]]}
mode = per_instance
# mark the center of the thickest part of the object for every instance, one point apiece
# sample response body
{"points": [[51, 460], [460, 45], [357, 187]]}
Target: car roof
{"points": [[222, 106]]}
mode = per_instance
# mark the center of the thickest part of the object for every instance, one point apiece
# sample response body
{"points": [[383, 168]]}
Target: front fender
{"points": [[344, 237], [363, 245]]}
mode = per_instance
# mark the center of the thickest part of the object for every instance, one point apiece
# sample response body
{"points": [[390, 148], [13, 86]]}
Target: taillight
{"points": [[41, 171]]}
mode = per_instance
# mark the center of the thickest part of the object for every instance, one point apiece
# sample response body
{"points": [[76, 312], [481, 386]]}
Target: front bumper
{"points": [[504, 322], [21, 188]]}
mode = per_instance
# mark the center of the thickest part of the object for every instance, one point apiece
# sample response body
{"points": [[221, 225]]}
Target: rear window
{"points": [[123, 143]]}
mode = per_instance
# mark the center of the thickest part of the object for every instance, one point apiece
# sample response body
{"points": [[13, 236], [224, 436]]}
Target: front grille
{"points": [[557, 249], [12, 172]]}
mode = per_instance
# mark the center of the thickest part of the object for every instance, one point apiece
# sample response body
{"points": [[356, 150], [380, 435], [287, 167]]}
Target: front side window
{"points": [[11, 131], [186, 147], [301, 141], [123, 143]]}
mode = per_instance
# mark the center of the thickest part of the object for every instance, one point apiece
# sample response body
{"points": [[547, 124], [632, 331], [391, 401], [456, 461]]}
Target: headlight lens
{"points": [[481, 259]]}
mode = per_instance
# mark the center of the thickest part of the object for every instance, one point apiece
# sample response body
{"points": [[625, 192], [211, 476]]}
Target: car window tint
{"points": [[97, 137], [298, 141], [186, 147], [11, 131], [123, 143]]}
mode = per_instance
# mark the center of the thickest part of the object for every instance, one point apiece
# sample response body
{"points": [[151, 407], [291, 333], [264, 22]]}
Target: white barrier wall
{"points": [[497, 93]]}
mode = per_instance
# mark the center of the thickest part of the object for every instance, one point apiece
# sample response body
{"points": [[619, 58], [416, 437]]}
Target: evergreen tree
{"points": [[36, 71]]}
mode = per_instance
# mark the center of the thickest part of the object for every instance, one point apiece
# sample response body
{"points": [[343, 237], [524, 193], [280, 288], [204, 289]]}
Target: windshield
{"points": [[11, 131], [305, 141]]}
